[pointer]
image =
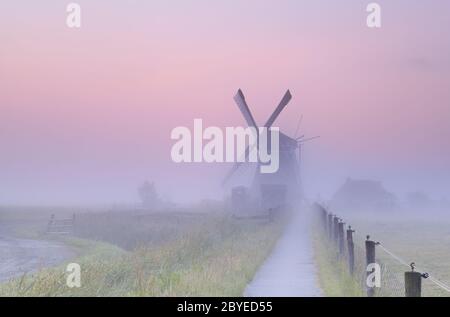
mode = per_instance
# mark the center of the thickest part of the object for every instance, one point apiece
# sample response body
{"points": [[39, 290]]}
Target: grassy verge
{"points": [[334, 278], [52, 281], [157, 255]]}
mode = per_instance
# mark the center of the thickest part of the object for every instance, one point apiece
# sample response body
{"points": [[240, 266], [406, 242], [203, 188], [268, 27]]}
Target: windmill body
{"points": [[287, 179], [268, 193]]}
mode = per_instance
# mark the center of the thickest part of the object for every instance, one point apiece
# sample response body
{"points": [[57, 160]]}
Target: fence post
{"points": [[351, 250], [73, 223], [322, 215], [330, 226], [370, 258], [336, 229], [413, 283], [50, 223], [341, 237], [324, 219]]}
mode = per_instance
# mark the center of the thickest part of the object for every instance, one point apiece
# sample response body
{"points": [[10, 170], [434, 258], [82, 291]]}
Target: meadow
{"points": [[411, 237], [147, 254]]}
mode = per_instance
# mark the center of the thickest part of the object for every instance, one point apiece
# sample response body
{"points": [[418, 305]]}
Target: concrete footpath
{"points": [[289, 270]]}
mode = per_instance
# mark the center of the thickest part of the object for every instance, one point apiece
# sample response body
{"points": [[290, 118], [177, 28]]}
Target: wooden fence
{"points": [[61, 226], [362, 262]]}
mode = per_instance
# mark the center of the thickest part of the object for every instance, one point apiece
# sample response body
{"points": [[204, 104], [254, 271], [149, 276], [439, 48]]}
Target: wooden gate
{"points": [[61, 226]]}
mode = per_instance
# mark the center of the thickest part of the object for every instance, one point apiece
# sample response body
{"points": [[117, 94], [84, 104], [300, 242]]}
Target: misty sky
{"points": [[86, 114]]}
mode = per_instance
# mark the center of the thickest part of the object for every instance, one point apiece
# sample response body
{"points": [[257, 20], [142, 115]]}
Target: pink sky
{"points": [[86, 115]]}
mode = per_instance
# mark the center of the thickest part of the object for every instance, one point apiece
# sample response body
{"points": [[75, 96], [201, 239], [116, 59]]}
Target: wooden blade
{"points": [[283, 103], [239, 98]]}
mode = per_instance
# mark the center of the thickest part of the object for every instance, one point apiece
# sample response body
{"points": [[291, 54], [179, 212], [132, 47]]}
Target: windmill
{"points": [[270, 191]]}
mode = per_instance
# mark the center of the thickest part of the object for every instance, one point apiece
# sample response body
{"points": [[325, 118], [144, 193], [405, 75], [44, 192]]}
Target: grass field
{"points": [[417, 238], [164, 254]]}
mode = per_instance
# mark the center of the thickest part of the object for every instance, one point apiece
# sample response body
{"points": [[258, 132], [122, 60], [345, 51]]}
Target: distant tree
{"points": [[149, 196]]}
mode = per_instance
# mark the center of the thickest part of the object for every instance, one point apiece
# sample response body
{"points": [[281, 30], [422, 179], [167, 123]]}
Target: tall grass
{"points": [[157, 255], [334, 278]]}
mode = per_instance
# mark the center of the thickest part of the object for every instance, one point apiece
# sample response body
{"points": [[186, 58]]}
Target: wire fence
{"points": [[383, 273]]}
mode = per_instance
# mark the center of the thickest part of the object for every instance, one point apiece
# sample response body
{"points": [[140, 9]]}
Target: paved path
{"points": [[19, 256], [289, 270]]}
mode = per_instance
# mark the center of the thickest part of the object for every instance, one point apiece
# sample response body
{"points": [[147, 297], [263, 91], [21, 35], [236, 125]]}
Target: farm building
{"points": [[363, 195]]}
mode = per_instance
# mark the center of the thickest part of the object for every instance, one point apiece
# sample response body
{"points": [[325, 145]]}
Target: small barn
{"points": [[362, 195]]}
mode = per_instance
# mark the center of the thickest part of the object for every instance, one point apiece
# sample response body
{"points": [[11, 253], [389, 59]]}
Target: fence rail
{"points": [[61, 226], [362, 261]]}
